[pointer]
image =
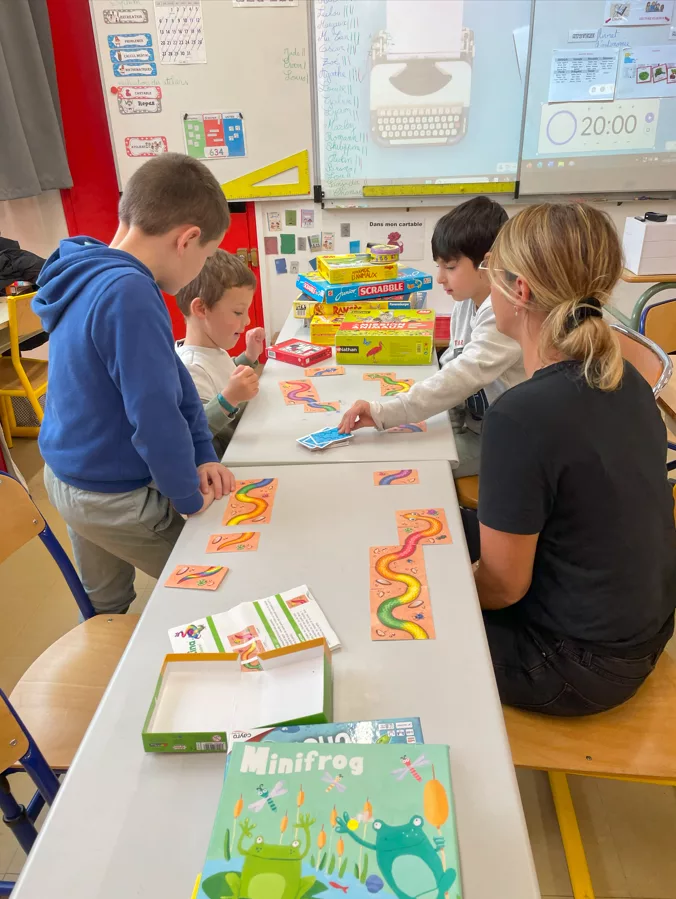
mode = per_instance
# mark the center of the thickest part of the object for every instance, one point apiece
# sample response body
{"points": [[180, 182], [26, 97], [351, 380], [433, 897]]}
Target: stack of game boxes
{"points": [[368, 285]]}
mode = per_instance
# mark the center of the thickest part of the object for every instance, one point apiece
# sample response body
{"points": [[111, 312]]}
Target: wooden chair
{"points": [[648, 357], [59, 694], [17, 748], [20, 376], [635, 742], [658, 323]]}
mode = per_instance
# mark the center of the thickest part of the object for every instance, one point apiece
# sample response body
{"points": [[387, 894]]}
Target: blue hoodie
{"points": [[121, 409]]}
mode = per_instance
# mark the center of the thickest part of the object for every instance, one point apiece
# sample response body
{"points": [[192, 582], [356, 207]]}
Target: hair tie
{"points": [[589, 307]]}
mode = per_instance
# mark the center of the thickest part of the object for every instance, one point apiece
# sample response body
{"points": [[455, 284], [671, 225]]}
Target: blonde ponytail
{"points": [[570, 257]]}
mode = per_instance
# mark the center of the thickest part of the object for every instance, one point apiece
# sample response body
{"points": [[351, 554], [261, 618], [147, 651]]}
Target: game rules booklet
{"points": [[253, 627], [296, 821]]}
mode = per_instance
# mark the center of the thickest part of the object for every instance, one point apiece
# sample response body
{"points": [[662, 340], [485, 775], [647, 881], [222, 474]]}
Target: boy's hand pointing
{"points": [[216, 478], [357, 416]]}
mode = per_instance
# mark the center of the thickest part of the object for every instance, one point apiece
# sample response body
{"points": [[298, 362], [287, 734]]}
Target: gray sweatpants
{"points": [[113, 534]]}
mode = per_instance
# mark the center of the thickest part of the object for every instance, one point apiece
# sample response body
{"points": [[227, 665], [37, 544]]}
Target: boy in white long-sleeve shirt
{"points": [[480, 363], [216, 309]]}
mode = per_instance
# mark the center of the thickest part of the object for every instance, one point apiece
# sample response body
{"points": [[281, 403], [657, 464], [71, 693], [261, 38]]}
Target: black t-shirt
{"points": [[586, 470]]}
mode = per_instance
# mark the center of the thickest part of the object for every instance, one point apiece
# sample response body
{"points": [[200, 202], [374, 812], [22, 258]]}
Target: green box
{"points": [[200, 698]]}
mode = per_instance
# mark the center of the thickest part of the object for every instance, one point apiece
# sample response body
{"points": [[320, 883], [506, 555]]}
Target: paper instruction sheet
{"points": [[248, 629], [647, 72]]}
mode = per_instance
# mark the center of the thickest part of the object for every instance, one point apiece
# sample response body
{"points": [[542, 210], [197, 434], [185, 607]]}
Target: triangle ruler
{"points": [[252, 186]]}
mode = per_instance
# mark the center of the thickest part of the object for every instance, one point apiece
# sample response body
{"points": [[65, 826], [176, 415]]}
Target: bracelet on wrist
{"points": [[229, 408]]}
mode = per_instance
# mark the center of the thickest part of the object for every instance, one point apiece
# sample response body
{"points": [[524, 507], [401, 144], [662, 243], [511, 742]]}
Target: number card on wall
{"points": [[218, 135], [180, 32]]}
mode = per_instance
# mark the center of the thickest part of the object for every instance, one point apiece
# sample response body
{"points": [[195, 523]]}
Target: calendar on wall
{"points": [[180, 32]]}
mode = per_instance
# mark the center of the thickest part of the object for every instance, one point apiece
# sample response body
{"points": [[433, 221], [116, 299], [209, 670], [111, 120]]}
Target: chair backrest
{"points": [[22, 320], [646, 356], [658, 323], [20, 519]]}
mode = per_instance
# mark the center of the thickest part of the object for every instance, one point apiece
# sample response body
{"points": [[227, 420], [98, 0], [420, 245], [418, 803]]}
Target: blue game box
{"points": [[410, 280]]}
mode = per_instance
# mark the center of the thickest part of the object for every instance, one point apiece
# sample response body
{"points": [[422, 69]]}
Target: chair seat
{"points": [[468, 492], [59, 694], [637, 740], [36, 372]]}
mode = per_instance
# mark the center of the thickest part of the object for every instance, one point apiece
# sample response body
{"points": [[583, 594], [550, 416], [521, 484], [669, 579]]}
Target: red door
{"points": [[241, 238]]}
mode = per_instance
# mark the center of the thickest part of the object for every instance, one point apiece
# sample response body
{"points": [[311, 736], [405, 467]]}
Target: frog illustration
{"points": [[271, 871], [406, 857]]}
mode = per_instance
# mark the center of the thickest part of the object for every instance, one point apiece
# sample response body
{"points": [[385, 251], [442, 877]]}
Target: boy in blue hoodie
{"points": [[126, 444]]}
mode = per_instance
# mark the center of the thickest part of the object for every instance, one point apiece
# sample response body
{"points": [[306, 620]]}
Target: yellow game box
{"points": [[352, 267], [305, 308], [404, 338], [323, 329]]}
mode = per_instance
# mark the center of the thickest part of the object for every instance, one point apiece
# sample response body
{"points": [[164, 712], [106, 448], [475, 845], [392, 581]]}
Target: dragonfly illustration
{"points": [[268, 796], [334, 782], [410, 767]]}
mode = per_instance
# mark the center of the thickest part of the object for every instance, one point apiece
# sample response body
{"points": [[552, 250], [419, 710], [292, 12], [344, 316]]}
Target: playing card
{"points": [[197, 577], [247, 541]]}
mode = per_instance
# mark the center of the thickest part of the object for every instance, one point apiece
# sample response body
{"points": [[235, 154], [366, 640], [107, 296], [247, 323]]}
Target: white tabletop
{"points": [[268, 430], [4, 313], [130, 824]]}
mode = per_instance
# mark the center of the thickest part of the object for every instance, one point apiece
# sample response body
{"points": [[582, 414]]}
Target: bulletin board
{"points": [[226, 81]]}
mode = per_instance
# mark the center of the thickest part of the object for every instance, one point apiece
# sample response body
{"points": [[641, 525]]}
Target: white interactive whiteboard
{"points": [[227, 81], [601, 107], [419, 92]]}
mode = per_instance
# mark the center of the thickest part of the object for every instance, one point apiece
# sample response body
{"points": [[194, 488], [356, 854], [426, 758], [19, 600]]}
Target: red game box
{"points": [[299, 352]]}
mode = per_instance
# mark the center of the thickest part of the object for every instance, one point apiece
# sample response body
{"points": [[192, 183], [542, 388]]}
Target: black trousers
{"points": [[542, 672]]}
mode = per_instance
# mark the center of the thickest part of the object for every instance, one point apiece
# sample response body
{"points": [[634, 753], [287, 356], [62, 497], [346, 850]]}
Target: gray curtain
{"points": [[32, 152]]}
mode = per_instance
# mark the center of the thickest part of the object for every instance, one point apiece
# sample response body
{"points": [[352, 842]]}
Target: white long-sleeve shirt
{"points": [[479, 365]]}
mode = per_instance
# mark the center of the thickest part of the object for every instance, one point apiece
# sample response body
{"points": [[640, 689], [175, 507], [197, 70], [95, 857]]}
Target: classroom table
{"points": [[126, 823], [268, 430]]}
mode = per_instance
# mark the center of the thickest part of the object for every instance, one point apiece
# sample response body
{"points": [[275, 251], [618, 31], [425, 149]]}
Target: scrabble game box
{"points": [[409, 280]]}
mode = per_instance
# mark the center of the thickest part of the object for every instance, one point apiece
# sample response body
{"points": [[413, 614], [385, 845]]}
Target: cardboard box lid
{"points": [[211, 692]]}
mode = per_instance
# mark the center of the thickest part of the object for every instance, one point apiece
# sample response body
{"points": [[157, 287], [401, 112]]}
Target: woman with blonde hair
{"points": [[577, 577]]}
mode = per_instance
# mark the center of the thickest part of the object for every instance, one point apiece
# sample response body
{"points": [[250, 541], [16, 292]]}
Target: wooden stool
{"points": [[468, 492], [635, 742]]}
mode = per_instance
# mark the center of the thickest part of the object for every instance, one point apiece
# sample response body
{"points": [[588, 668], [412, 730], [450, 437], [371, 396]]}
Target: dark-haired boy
{"points": [[480, 363], [125, 440]]}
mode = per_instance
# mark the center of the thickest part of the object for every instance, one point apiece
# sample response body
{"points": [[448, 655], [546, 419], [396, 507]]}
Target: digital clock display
{"points": [[598, 127]]}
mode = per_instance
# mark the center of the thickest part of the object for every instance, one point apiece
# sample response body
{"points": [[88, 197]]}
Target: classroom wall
{"points": [[279, 290], [38, 223]]}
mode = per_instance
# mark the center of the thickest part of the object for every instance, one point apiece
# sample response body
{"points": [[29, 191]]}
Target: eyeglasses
{"points": [[484, 267]]}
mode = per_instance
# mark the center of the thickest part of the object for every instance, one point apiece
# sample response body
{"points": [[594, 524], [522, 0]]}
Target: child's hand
{"points": [[242, 386], [357, 416], [255, 339], [215, 478]]}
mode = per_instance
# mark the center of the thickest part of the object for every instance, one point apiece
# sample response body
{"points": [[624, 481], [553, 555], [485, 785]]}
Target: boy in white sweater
{"points": [[216, 309], [480, 363]]}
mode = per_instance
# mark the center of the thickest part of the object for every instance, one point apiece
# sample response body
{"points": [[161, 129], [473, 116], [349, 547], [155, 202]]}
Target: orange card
{"points": [[393, 386], [408, 429], [317, 406], [247, 645], [398, 476], [233, 543], [399, 596], [251, 502], [197, 577], [324, 371], [297, 392], [431, 523], [378, 375]]}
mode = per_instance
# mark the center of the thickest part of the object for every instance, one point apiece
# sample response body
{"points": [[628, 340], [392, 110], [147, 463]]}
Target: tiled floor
{"points": [[629, 830]]}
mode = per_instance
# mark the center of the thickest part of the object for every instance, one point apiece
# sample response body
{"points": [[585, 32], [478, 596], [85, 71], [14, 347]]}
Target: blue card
{"points": [[280, 265]]}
